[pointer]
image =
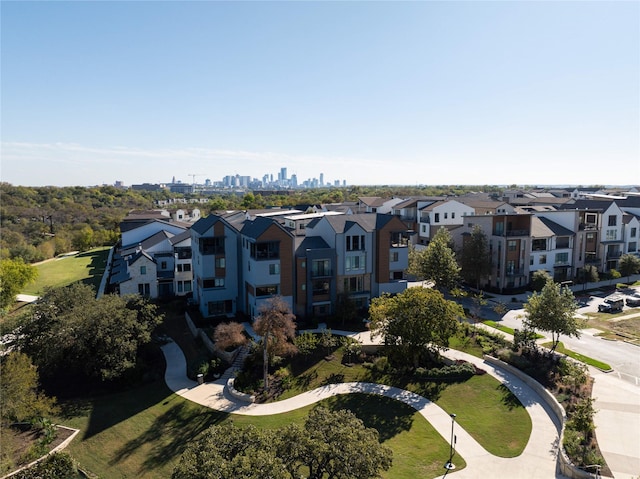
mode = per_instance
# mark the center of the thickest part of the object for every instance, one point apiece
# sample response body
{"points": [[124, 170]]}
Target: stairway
{"points": [[237, 363]]}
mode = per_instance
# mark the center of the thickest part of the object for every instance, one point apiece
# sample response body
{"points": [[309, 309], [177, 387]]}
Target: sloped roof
{"points": [[152, 240], [311, 242], [544, 227], [180, 237], [255, 228]]}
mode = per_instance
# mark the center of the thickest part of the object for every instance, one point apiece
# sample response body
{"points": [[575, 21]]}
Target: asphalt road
{"points": [[623, 357]]}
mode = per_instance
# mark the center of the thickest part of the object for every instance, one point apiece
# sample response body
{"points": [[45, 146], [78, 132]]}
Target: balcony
{"points": [[587, 227], [614, 255], [514, 272]]}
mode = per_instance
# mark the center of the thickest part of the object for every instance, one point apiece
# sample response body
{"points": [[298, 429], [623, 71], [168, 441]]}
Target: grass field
{"points": [[579, 357], [87, 267], [143, 432]]}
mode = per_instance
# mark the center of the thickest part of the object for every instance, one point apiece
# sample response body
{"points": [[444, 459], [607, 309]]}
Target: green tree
{"points": [[15, 274], [333, 444], [581, 420], [475, 258], [275, 323], [70, 333], [539, 278], [330, 445], [590, 274], [20, 398], [437, 262], [628, 265], [416, 322], [553, 310]]}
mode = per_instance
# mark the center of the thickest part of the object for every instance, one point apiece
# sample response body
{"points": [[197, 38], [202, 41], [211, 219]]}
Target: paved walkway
{"points": [[537, 461]]}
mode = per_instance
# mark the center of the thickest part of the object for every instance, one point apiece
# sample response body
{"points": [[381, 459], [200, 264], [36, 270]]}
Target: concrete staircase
{"points": [[237, 363]]}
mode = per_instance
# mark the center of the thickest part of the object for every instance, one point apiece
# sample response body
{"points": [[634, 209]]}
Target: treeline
{"points": [[39, 223]]}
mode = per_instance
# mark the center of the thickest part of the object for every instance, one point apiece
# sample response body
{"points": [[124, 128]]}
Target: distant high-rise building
{"points": [[294, 180], [344, 182], [321, 179], [283, 174]]}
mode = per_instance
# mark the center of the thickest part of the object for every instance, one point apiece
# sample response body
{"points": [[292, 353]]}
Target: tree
{"points": [[70, 333], [275, 323], [590, 274], [15, 274], [553, 310], [539, 278], [333, 444], [230, 451], [582, 421], [20, 399], [628, 265], [437, 262], [229, 335], [330, 445], [416, 322], [475, 258]]}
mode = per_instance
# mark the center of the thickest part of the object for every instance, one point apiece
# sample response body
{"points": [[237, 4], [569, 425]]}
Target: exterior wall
{"points": [[449, 213], [612, 237], [319, 301], [183, 273], [204, 268], [632, 236], [137, 277], [256, 273], [390, 258]]}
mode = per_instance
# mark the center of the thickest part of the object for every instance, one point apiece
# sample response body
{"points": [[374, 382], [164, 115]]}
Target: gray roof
{"points": [[544, 227], [311, 242]]}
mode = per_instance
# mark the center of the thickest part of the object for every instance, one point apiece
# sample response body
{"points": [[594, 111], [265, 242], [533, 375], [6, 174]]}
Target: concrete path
{"points": [[537, 461]]}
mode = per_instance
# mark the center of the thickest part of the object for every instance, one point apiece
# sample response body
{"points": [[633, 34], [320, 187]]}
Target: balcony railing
{"points": [[614, 255]]}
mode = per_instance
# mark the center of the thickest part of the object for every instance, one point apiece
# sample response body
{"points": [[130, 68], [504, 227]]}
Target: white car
{"points": [[633, 300]]}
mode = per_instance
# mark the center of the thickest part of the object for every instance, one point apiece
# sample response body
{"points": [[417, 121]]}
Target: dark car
{"points": [[612, 304], [633, 300]]}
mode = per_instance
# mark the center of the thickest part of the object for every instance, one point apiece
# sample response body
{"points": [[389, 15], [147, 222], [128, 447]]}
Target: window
{"points": [[633, 247], [143, 270], [211, 245], [163, 265], [531, 261], [220, 262], [183, 253], [396, 275], [562, 258], [611, 235], [321, 267], [446, 215], [219, 307], [633, 232], [180, 288], [265, 250], [271, 290], [543, 259], [511, 245], [213, 283], [539, 244], [355, 243], [424, 228], [590, 218], [144, 289], [399, 239], [612, 220], [436, 218], [354, 284], [184, 267], [320, 287], [354, 262], [511, 267], [274, 269], [394, 256], [562, 242]]}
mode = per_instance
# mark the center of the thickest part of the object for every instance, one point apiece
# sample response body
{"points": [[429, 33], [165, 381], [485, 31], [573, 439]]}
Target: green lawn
{"points": [[579, 357], [87, 267], [505, 329], [143, 432], [490, 413]]}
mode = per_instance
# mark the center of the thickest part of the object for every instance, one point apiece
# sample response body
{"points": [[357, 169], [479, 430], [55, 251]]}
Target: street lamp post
{"points": [[449, 465]]}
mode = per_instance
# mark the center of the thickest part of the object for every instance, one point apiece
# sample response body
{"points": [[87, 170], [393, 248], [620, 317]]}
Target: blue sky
{"points": [[449, 92]]}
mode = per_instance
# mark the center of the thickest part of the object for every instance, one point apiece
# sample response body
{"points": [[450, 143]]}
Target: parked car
{"points": [[612, 304], [633, 299]]}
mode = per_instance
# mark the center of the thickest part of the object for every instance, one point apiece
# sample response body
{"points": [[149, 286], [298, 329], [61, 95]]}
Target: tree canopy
{"points": [[437, 262], [330, 445], [628, 265], [276, 324], [15, 274], [20, 398], [475, 258], [416, 322], [69, 332], [553, 310]]}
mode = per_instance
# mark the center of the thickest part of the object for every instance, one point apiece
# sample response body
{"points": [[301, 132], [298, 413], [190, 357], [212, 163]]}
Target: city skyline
{"points": [[377, 93]]}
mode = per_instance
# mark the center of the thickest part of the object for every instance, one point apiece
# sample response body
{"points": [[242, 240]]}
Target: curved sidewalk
{"points": [[538, 461]]}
